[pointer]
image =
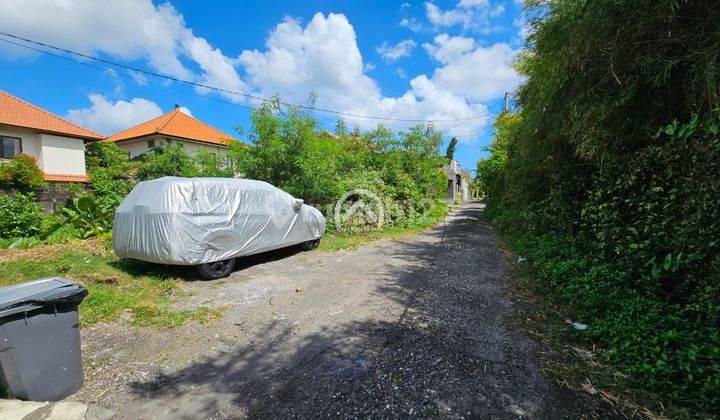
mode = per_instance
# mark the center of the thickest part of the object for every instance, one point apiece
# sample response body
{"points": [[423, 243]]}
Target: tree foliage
{"points": [[450, 151], [606, 178], [289, 150]]}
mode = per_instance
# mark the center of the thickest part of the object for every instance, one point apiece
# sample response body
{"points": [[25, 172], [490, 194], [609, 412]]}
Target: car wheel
{"points": [[310, 245], [217, 269]]}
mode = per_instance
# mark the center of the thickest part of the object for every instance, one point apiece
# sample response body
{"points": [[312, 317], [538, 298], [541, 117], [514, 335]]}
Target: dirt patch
{"points": [[420, 326], [92, 246]]}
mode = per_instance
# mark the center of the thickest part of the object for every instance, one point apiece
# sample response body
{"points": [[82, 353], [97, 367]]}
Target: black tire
{"points": [[217, 269], [310, 245]]}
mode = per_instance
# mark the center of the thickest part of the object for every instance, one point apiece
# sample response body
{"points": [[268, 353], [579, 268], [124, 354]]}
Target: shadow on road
{"points": [[189, 273], [452, 352]]}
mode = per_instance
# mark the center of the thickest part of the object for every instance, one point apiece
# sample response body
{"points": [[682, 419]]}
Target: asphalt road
{"points": [[419, 327]]}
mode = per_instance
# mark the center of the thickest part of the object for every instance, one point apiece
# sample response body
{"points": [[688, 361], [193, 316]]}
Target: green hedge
{"points": [[607, 178]]}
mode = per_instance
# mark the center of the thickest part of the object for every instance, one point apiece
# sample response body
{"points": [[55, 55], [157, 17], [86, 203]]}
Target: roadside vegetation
{"points": [[137, 291], [606, 179], [287, 148]]}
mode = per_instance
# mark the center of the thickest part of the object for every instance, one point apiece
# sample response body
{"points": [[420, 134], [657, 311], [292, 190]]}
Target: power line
{"points": [[201, 85], [139, 80], [473, 117]]}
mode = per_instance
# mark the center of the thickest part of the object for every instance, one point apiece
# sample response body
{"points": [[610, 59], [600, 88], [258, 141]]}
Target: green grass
{"points": [[114, 287], [336, 241]]}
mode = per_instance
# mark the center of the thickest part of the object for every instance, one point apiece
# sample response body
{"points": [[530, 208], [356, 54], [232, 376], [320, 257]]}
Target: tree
{"points": [[450, 152]]}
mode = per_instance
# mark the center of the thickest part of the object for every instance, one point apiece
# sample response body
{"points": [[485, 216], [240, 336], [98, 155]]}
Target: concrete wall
{"points": [[63, 155]]}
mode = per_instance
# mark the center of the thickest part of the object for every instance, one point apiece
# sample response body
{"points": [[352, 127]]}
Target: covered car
{"points": [[208, 222]]}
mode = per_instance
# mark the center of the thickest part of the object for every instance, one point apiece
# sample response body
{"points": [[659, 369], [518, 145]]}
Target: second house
{"points": [[173, 127]]}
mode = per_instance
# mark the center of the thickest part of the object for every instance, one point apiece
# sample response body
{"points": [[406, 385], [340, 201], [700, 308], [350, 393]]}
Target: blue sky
{"points": [[440, 60]]}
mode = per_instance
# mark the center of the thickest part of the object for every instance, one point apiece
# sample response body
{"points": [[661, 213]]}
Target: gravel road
{"points": [[415, 327]]}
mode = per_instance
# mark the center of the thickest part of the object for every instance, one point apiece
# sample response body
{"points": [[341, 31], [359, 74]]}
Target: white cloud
{"points": [[447, 48], [401, 73], [473, 3], [323, 57], [130, 30], [411, 23], [394, 52], [107, 118], [475, 15], [498, 10], [524, 28], [482, 74]]}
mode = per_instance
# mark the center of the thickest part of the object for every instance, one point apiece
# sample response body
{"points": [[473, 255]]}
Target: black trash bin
{"points": [[40, 340]]}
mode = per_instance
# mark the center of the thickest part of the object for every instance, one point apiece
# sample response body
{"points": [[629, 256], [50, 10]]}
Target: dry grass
{"points": [[92, 246], [138, 292]]}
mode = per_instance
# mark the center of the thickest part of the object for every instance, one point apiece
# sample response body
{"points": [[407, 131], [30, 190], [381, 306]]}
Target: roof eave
{"points": [[41, 130]]}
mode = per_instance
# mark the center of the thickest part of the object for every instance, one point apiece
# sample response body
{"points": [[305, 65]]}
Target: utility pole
{"points": [[505, 102]]}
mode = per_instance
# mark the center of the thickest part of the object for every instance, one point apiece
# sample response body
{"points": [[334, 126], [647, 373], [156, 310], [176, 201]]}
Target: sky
{"points": [[447, 61]]}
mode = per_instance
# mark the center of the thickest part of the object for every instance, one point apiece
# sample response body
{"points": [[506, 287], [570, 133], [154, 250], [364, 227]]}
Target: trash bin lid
{"points": [[31, 295]]}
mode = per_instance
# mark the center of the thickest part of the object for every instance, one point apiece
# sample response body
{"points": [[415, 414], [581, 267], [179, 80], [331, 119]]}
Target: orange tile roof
{"points": [[66, 178], [175, 124], [14, 111]]}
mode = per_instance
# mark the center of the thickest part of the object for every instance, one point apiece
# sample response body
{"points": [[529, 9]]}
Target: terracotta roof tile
{"points": [[175, 124], [14, 111]]}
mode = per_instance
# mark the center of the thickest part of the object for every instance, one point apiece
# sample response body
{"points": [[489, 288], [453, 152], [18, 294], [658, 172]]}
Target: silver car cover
{"points": [[188, 221]]}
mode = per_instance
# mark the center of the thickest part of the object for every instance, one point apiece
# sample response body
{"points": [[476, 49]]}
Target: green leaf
{"points": [[667, 262], [86, 204]]}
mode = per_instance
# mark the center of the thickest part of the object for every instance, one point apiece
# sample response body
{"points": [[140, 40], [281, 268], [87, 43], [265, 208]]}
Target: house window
{"points": [[11, 146], [151, 144]]}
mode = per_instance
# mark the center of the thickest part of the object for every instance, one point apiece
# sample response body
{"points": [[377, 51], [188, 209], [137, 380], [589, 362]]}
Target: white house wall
{"points": [[30, 141], [136, 147], [62, 155]]}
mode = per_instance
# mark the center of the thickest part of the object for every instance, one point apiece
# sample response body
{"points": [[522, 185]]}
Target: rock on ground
{"points": [[418, 327]]}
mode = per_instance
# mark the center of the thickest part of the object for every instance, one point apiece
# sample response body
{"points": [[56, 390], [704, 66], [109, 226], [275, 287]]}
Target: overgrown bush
{"points": [[290, 151], [20, 216], [90, 217], [111, 173], [169, 159], [22, 173], [211, 165], [607, 177]]}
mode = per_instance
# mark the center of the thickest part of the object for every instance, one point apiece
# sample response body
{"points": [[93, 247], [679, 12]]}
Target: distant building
{"points": [[176, 127], [458, 188], [57, 145]]}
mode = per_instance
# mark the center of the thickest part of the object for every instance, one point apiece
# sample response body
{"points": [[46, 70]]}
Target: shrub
{"points": [[290, 151], [212, 165], [108, 157], [20, 216], [170, 159], [607, 179], [89, 217], [22, 173]]}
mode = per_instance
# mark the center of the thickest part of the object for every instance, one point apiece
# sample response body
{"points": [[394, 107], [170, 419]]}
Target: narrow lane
{"points": [[414, 327]]}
